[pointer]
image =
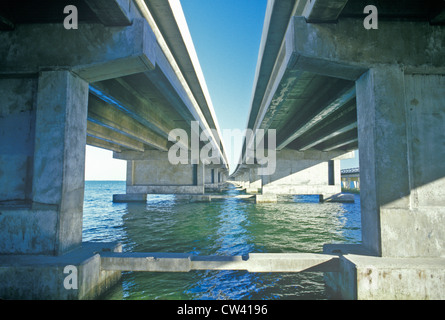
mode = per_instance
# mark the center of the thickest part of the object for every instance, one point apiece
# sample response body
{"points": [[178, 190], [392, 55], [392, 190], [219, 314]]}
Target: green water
{"points": [[225, 227]]}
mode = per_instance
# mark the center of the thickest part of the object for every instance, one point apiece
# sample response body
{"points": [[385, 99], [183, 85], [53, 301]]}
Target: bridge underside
{"points": [[121, 81], [326, 83], [326, 88]]}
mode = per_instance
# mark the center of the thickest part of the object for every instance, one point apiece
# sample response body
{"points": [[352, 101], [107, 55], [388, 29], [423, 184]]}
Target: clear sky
{"points": [[226, 35]]}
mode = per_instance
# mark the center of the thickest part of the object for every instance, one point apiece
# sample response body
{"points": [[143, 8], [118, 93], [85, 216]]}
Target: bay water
{"points": [[224, 227]]}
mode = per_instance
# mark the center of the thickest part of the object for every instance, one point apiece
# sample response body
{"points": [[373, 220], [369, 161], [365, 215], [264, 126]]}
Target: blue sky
{"points": [[226, 35]]}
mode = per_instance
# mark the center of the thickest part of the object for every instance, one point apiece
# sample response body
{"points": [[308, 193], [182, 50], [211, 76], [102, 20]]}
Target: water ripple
{"points": [[227, 227]]}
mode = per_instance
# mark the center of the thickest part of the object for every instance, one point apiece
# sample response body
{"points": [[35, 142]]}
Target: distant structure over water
{"points": [[350, 178]]}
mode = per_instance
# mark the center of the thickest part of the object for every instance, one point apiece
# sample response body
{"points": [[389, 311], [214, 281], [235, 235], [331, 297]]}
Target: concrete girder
{"points": [[340, 140], [346, 49], [107, 52], [276, 22], [176, 35], [111, 13], [100, 113], [318, 114], [323, 10], [171, 69], [123, 95], [99, 143], [331, 126], [104, 133], [252, 262]]}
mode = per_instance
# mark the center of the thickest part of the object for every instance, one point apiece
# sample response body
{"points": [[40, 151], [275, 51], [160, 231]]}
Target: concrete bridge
{"points": [[350, 178], [328, 85], [129, 74], [123, 80]]}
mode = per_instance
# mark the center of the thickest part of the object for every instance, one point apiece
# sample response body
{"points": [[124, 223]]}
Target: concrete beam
{"points": [[94, 53], [318, 115], [111, 13], [122, 93], [346, 49], [99, 143], [169, 77], [103, 133], [330, 127], [103, 114], [323, 10], [342, 139], [171, 20], [276, 22], [252, 262]]}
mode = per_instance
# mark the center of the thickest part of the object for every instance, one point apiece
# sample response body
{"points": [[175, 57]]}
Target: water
{"points": [[226, 227]]}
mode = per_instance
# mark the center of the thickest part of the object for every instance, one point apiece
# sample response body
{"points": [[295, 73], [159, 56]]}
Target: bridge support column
{"points": [[214, 176], [255, 182], [305, 173], [401, 134], [150, 172], [244, 179], [41, 192]]}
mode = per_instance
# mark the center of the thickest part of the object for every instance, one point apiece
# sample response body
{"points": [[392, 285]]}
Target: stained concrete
{"points": [[252, 262], [47, 76], [399, 94], [41, 277], [362, 276]]}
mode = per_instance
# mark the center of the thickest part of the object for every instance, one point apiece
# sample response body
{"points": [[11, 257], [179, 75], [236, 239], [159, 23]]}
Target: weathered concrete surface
{"points": [[130, 197], [119, 60], [376, 278], [307, 172], [402, 166], [253, 262], [106, 52], [17, 114], [396, 117], [266, 198], [150, 172], [45, 201], [41, 277]]}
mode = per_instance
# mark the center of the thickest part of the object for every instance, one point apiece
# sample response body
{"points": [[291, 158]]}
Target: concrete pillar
{"points": [[150, 172], [402, 171], [255, 182], [42, 190], [305, 173], [401, 134], [47, 219]]}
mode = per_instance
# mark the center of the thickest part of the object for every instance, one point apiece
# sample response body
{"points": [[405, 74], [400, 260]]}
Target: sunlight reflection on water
{"points": [[226, 227]]}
